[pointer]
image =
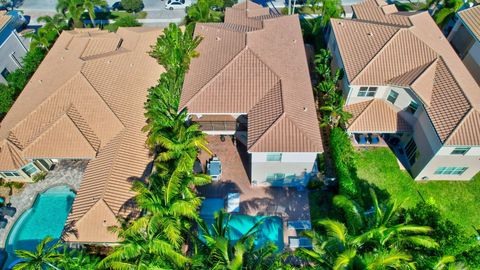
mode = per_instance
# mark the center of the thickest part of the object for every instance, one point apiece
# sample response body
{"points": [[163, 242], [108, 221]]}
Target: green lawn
{"points": [[459, 201]]}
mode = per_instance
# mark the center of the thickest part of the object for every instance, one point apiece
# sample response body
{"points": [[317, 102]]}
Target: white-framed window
{"points": [[9, 174], [30, 169], [460, 151], [5, 72], [450, 170], [392, 96], [274, 157], [275, 177], [367, 91], [412, 107]]}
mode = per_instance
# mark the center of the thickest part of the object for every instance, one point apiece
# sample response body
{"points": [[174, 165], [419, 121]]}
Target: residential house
{"points": [[405, 82], [13, 46], [86, 102], [251, 81], [465, 39]]}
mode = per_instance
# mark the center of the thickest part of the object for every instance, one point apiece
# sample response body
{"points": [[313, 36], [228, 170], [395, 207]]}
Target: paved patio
{"points": [[286, 202], [68, 173]]}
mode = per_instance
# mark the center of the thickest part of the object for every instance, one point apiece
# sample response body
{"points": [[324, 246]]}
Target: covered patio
{"points": [[288, 203]]}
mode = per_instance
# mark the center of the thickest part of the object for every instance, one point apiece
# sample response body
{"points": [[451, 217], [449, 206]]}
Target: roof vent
{"points": [[109, 61], [305, 109], [370, 34], [40, 81], [62, 58], [218, 38], [131, 64], [294, 41]]}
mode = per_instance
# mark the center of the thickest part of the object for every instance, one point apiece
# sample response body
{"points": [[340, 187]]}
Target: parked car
{"points": [[117, 6], [177, 4]]}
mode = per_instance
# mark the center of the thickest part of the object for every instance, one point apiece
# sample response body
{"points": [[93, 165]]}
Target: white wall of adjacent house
{"points": [[12, 50], [472, 61], [282, 169], [450, 165]]}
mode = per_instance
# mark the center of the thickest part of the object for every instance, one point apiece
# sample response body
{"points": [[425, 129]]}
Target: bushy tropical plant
{"points": [[124, 21], [205, 11], [132, 5]]}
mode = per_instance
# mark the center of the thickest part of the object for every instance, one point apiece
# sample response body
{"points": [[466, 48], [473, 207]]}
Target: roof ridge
{"points": [[55, 123], [101, 97], [110, 171], [90, 209], [370, 102], [459, 125], [95, 144], [377, 54]]}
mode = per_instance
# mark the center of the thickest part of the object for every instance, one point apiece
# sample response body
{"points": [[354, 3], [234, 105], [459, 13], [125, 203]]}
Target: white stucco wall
{"points": [[295, 165], [11, 53]]}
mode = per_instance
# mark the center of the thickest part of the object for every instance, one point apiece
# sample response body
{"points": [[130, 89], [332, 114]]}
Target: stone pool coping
{"points": [[65, 173]]}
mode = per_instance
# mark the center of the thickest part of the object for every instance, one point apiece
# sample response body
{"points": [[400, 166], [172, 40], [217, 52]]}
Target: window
{"points": [[30, 169], [5, 73], [274, 157], [367, 91], [392, 97], [11, 174], [412, 107], [450, 170], [460, 151], [411, 151]]}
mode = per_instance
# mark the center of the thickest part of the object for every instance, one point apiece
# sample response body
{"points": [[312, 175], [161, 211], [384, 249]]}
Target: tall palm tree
{"points": [[57, 22], [90, 5], [45, 256], [43, 38], [205, 11], [337, 116], [218, 251], [77, 259], [72, 10]]}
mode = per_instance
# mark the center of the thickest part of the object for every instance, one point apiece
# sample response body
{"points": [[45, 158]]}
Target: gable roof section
{"points": [[417, 56], [467, 132], [375, 115], [256, 64], [10, 157], [471, 18]]}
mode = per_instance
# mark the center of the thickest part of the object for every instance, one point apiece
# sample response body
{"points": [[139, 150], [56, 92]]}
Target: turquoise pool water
{"points": [[271, 229], [46, 218]]}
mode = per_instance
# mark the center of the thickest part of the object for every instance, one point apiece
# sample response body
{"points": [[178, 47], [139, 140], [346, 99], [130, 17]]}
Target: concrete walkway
{"points": [[69, 173]]}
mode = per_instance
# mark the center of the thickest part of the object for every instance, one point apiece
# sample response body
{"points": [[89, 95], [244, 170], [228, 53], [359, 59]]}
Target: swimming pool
{"points": [[45, 218], [271, 229]]}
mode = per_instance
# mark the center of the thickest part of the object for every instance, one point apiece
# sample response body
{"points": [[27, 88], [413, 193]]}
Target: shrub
{"points": [[6, 99], [344, 155], [132, 5], [126, 21], [39, 177]]}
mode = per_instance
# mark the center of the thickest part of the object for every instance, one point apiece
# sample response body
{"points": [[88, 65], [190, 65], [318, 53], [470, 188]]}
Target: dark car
{"points": [[117, 6]]}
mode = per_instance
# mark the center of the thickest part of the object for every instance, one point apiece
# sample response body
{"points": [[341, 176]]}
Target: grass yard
{"points": [[459, 201]]}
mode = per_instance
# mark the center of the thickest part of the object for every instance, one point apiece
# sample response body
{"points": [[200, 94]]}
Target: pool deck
{"points": [[69, 173], [289, 203]]}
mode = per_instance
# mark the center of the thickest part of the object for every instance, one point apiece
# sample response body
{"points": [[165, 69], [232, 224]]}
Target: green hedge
{"points": [[344, 157]]}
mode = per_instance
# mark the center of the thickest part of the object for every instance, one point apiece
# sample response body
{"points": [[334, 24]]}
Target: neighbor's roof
{"points": [[385, 47], [375, 115], [471, 18], [86, 101], [4, 18], [255, 63]]}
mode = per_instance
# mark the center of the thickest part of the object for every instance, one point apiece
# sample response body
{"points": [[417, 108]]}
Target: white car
{"points": [[177, 4]]}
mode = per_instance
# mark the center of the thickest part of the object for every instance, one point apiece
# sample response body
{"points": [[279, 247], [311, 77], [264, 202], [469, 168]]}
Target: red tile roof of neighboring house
{"points": [[382, 46], [255, 63], [471, 18]]}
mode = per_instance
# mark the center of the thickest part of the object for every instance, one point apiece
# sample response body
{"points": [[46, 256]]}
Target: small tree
{"points": [[132, 5], [127, 21]]}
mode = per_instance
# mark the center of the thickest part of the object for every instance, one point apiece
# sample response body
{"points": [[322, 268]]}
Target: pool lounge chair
{"points": [[362, 139], [8, 211], [299, 225], [233, 202], [3, 223], [374, 139], [295, 242]]}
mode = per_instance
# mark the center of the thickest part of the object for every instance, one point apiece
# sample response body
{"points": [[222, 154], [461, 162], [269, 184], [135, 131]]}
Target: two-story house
{"points": [[251, 81], [405, 82], [13, 46], [465, 39]]}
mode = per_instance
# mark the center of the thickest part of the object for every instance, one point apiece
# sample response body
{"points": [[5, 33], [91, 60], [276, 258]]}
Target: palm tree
{"points": [[11, 185], [56, 23], [218, 251], [447, 9], [43, 38], [205, 11], [75, 259], [72, 10], [337, 116], [90, 5], [374, 239], [42, 258]]}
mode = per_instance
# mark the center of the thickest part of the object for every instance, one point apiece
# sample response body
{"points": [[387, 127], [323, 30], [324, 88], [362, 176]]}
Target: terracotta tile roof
{"points": [[471, 18], [467, 132], [375, 115], [4, 18], [379, 47], [86, 100], [256, 64]]}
